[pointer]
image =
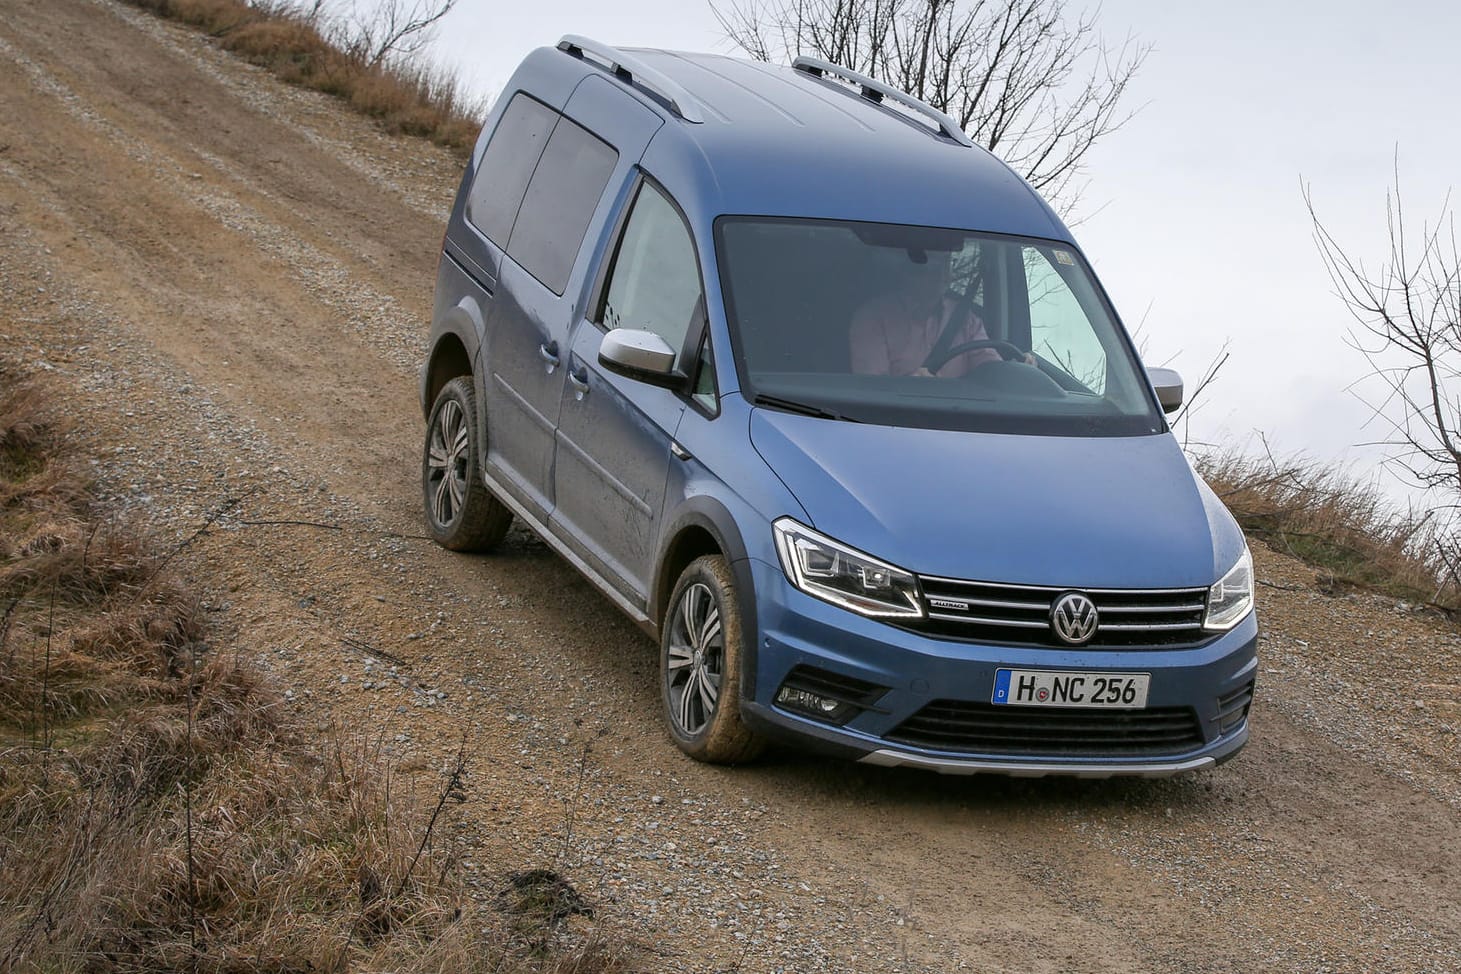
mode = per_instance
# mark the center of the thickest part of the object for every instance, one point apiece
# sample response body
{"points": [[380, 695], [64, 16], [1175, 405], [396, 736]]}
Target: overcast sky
{"points": [[1193, 215]]}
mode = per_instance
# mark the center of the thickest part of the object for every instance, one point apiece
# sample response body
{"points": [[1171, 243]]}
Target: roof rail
{"points": [[633, 72], [875, 91]]}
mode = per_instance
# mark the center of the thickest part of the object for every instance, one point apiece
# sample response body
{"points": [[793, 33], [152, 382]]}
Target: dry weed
{"points": [[1345, 527], [299, 48], [35, 474], [160, 810]]}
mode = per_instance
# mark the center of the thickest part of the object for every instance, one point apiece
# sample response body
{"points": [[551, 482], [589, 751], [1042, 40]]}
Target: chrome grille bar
{"points": [[982, 621], [1010, 613], [1194, 607], [940, 580], [997, 604], [1148, 626]]}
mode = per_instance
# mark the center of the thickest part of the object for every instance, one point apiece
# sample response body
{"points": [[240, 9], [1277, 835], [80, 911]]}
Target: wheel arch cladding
{"points": [[690, 542], [449, 359]]}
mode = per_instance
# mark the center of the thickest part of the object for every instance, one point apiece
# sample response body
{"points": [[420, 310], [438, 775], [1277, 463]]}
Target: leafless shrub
{"points": [[391, 29], [1407, 311]]}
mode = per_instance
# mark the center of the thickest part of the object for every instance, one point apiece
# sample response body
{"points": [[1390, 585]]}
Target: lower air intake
{"points": [[949, 725]]}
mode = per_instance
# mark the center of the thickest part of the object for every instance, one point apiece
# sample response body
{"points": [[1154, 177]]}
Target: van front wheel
{"points": [[461, 512], [701, 652]]}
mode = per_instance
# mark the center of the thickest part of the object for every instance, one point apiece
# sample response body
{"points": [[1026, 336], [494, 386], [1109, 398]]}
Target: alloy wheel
{"points": [[446, 462], [696, 659]]}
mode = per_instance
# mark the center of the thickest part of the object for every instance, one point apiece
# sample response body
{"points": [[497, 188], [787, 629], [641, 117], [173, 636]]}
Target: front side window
{"points": [[704, 391], [927, 327], [655, 281], [1060, 332], [559, 203]]}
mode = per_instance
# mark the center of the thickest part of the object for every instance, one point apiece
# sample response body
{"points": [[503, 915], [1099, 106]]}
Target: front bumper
{"points": [[912, 671]]}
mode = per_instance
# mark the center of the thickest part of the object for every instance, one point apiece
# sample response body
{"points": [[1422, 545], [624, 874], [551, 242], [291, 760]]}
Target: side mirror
{"points": [[1168, 386], [641, 355]]}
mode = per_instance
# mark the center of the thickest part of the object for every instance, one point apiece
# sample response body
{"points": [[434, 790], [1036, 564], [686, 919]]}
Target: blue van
{"points": [[827, 399]]}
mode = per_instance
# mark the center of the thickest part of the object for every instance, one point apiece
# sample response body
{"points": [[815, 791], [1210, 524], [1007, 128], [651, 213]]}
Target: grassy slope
{"points": [[405, 98], [159, 807], [1341, 527]]}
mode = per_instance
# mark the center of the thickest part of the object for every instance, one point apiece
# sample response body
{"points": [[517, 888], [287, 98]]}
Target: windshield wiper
{"points": [[801, 408]]}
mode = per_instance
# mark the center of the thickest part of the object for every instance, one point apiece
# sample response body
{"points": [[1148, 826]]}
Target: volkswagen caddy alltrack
{"points": [[828, 401]]}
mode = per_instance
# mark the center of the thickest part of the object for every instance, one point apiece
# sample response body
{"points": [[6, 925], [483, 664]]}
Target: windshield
{"points": [[926, 327]]}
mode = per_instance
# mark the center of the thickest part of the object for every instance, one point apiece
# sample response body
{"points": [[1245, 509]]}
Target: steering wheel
{"points": [[1008, 352]]}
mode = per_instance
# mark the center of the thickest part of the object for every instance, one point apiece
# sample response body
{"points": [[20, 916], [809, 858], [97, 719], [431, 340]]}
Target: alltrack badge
{"points": [[1073, 618]]}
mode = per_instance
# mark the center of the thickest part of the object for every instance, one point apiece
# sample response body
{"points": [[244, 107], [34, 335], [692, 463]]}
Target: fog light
{"points": [[814, 704], [806, 700]]}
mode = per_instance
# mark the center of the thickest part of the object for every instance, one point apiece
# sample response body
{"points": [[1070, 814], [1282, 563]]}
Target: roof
{"points": [[775, 141]]}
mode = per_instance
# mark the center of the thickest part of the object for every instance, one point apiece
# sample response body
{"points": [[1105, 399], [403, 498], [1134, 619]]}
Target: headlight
{"points": [[1232, 598], [844, 576]]}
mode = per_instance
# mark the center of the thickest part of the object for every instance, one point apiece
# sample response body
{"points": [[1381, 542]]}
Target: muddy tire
{"points": [[461, 513], [701, 653]]}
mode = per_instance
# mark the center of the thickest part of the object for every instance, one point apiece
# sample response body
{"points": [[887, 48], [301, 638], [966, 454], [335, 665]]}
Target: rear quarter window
{"points": [[559, 203], [507, 165]]}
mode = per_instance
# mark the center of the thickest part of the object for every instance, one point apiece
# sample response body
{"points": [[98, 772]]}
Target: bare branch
{"points": [[1407, 314], [1184, 415], [391, 30]]}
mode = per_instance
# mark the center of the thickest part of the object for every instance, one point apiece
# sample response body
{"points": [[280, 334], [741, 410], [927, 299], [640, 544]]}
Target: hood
{"points": [[1090, 512]]}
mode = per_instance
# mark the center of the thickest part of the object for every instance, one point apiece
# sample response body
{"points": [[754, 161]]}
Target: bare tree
{"points": [[1408, 311], [1024, 79], [392, 28]]}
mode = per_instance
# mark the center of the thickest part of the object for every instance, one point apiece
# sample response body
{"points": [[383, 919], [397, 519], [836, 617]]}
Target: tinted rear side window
{"points": [[560, 200], [507, 165]]}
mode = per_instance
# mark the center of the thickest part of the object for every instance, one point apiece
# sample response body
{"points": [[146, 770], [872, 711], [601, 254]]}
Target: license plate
{"points": [[1054, 688]]}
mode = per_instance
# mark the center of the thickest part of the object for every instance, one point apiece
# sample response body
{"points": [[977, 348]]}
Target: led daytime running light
{"points": [[830, 570], [1231, 599]]}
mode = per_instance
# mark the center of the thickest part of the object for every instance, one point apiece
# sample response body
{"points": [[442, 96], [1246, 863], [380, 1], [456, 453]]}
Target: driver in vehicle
{"points": [[893, 333]]}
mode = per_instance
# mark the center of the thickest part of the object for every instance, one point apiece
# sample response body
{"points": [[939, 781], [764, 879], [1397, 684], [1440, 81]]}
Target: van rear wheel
{"points": [[701, 653], [461, 512]]}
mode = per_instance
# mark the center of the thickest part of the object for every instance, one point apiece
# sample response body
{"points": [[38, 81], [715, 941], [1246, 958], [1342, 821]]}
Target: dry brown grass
{"points": [[34, 472], [1344, 527], [161, 810], [406, 98]]}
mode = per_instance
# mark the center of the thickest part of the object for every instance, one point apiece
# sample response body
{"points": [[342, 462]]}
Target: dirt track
{"points": [[233, 279]]}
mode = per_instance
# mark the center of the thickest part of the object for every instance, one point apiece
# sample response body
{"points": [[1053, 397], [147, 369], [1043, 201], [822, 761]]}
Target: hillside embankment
{"points": [[231, 280]]}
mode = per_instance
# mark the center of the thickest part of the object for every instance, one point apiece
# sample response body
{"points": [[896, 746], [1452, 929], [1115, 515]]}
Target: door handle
{"points": [[579, 381], [549, 354]]}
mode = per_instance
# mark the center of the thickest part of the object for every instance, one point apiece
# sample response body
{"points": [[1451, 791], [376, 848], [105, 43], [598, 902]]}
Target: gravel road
{"points": [[231, 280]]}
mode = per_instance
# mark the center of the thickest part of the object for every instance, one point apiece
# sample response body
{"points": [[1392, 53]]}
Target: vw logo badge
{"points": [[1073, 617]]}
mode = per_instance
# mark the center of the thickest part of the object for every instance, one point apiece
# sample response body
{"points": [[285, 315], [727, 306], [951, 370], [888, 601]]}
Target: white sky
{"points": [[1193, 215]]}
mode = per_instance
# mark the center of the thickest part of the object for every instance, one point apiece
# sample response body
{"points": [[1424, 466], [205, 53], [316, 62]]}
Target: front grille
{"points": [[951, 725], [1019, 615]]}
